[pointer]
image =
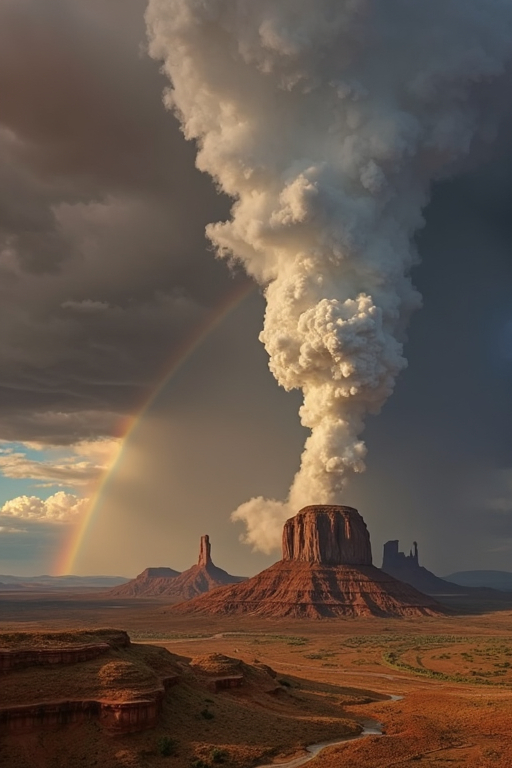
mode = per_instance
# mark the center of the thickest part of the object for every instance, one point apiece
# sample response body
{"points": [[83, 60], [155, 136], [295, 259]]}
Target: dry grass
{"points": [[333, 669], [120, 674], [241, 726], [56, 639]]}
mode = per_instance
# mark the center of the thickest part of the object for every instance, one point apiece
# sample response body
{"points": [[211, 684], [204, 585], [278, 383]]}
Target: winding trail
{"points": [[370, 728], [373, 728]]}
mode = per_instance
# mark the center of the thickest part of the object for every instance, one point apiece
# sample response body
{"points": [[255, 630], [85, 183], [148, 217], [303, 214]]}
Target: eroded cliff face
{"points": [[10, 658], [121, 687], [332, 535], [115, 716], [205, 551]]}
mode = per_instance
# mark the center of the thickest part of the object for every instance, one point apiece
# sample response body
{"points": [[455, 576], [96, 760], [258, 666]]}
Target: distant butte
{"points": [[150, 583], [407, 568], [326, 570], [201, 578], [198, 579]]}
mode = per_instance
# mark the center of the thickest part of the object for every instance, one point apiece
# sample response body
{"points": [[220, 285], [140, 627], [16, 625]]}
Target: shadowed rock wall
{"points": [[115, 716], [333, 535], [205, 551]]}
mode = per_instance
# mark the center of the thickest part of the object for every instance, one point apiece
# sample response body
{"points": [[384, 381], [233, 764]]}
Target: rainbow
{"points": [[68, 553]]}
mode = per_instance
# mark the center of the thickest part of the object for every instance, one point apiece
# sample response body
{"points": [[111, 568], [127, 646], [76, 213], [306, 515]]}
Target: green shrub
{"points": [[207, 714], [166, 746], [218, 755]]}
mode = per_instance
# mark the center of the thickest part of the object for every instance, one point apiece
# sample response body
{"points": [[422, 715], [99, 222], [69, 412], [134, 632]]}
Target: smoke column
{"points": [[326, 121]]}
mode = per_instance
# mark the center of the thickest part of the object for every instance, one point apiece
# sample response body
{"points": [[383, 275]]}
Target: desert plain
{"points": [[439, 688]]}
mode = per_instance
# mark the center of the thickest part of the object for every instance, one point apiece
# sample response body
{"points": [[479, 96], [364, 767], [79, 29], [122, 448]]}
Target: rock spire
{"points": [[205, 551]]}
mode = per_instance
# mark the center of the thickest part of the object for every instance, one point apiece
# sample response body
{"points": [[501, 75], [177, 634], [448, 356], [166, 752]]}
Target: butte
{"points": [[159, 582], [407, 568], [326, 571]]}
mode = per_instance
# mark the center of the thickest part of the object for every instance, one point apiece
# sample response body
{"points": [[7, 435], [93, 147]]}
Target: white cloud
{"points": [[103, 452], [324, 216], [85, 464], [59, 508]]}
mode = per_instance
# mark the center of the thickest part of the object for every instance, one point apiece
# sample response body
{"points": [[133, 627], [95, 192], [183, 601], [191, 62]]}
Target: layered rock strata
{"points": [[58, 652], [114, 716], [222, 673], [57, 698], [326, 571], [138, 714], [10, 658]]}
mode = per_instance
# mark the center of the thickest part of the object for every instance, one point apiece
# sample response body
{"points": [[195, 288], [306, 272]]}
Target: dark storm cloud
{"points": [[498, 523], [103, 261], [104, 270], [440, 452]]}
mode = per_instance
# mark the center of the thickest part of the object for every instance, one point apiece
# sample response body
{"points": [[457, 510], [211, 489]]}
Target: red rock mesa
{"points": [[326, 570]]}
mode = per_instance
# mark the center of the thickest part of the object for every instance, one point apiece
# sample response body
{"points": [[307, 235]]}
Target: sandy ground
{"points": [[454, 674]]}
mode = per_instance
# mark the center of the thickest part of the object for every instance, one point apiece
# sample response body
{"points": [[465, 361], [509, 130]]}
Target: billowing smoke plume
{"points": [[326, 121]]}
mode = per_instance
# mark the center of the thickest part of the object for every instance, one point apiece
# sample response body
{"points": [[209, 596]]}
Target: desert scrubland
{"points": [[304, 681]]}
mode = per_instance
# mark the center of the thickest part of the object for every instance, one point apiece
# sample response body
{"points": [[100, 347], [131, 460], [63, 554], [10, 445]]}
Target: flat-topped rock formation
{"points": [[326, 571], [114, 683], [150, 583], [222, 673], [11, 657], [44, 649]]}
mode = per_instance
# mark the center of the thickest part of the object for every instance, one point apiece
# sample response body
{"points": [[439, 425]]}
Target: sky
{"points": [[117, 319]]}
